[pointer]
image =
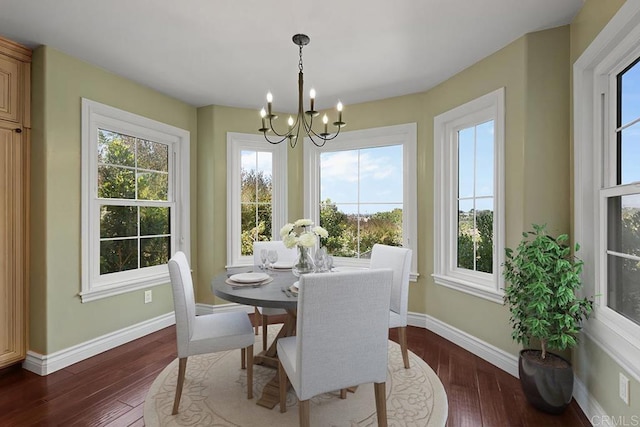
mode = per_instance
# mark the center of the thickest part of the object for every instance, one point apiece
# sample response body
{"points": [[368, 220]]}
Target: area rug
{"points": [[214, 394]]}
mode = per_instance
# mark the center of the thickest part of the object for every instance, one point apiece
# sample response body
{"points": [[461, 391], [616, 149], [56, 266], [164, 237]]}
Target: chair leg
{"points": [[282, 387], [381, 403], [182, 368], [304, 413], [343, 393], [256, 317], [249, 372], [243, 354], [265, 323], [402, 335]]}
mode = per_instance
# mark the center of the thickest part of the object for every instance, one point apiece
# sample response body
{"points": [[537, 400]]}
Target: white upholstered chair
{"points": [[285, 255], [208, 333], [399, 260], [341, 337]]}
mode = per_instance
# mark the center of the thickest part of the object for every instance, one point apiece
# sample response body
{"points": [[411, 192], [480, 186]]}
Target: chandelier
{"points": [[304, 119]]}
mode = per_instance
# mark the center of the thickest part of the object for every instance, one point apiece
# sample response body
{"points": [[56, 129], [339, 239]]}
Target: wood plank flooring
{"points": [[109, 389]]}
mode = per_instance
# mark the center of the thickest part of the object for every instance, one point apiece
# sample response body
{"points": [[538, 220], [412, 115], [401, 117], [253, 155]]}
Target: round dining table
{"points": [[275, 294]]}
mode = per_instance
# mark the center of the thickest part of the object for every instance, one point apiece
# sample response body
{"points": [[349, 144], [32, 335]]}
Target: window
{"points": [[361, 188], [607, 183], [256, 194], [469, 196], [135, 203]]}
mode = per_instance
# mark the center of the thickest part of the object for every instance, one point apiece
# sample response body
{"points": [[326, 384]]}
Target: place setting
{"points": [[250, 279]]}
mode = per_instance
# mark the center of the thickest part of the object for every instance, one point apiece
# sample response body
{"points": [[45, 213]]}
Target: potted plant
{"points": [[543, 276]]}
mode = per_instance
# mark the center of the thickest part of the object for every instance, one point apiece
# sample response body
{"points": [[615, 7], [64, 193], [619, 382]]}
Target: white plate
{"points": [[249, 277], [282, 265]]}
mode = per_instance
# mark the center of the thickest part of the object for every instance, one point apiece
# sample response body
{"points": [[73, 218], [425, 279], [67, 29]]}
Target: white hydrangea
{"points": [[304, 222], [288, 228], [307, 239], [320, 232], [290, 240]]}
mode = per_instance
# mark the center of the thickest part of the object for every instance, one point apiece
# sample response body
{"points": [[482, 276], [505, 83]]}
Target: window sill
{"points": [[469, 288], [118, 288]]}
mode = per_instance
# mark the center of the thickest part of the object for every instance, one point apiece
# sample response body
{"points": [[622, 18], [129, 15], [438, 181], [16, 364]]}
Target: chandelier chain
{"points": [[300, 62]]}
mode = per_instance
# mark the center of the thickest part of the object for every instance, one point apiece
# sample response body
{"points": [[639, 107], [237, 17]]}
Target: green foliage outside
{"points": [[118, 178], [625, 273], [543, 276], [345, 229], [475, 243], [255, 209]]}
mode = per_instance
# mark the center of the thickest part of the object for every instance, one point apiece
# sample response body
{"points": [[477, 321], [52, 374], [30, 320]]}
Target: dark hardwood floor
{"points": [[109, 389]]}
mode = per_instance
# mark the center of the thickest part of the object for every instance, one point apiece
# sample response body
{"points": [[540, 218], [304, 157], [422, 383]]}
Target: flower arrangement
{"points": [[302, 233]]}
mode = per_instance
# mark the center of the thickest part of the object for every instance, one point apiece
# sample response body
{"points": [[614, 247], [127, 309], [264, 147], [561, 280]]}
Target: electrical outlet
{"points": [[624, 388], [148, 297]]}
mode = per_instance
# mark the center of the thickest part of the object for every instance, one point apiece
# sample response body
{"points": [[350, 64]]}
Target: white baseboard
{"points": [[591, 408], [507, 362], [48, 363], [497, 357]]}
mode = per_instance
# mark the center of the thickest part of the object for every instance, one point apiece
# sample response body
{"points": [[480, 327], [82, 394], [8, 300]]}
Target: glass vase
{"points": [[304, 263]]}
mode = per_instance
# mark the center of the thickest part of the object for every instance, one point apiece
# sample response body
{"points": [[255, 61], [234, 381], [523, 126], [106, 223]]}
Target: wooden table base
{"points": [[271, 392]]}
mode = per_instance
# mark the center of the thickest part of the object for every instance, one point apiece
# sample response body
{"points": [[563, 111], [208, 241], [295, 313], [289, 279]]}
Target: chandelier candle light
{"points": [[304, 235], [304, 119]]}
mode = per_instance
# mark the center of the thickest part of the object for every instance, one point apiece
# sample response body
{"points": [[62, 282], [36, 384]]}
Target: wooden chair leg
{"points": [[265, 323], [343, 393], [402, 335], [182, 368], [282, 387], [243, 358], [249, 372], [256, 318], [381, 403], [304, 413]]}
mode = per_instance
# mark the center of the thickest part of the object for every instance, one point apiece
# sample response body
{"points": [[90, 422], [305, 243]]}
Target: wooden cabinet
{"points": [[15, 66]]}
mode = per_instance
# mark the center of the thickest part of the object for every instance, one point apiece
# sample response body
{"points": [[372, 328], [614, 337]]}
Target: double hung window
{"points": [[469, 200], [607, 183], [361, 189], [256, 194], [135, 200]]}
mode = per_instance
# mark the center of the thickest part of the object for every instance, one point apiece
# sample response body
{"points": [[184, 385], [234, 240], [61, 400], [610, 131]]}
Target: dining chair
{"points": [[261, 314], [399, 260], [341, 338], [208, 333]]}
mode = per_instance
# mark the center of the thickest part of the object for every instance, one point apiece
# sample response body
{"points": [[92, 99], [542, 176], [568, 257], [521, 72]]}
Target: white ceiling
{"points": [[231, 52]]}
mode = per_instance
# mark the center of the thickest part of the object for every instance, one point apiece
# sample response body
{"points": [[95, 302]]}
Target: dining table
{"points": [[276, 292]]}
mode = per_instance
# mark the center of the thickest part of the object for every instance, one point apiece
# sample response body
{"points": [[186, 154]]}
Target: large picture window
{"points": [[135, 200], [361, 189], [607, 183], [256, 194], [469, 196]]}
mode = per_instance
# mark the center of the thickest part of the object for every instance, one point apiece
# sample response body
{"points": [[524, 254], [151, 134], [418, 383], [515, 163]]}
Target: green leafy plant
{"points": [[543, 275]]}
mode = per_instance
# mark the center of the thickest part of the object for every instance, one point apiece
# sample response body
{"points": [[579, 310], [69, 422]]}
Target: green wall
{"points": [[535, 71], [58, 319], [593, 366], [537, 176]]}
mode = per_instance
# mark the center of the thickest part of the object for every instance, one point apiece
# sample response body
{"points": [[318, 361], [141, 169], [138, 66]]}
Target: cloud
{"points": [[342, 166]]}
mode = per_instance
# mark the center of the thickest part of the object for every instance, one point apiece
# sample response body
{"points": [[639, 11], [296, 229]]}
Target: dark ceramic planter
{"points": [[547, 386]]}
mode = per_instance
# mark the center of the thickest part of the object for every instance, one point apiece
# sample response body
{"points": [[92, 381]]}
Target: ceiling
{"points": [[231, 52]]}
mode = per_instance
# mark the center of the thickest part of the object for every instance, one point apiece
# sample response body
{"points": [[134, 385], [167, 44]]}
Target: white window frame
{"points": [[100, 116], [236, 143], [446, 126], [405, 135], [616, 45]]}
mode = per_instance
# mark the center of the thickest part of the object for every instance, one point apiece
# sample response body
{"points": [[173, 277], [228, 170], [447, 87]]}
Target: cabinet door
{"points": [[9, 89], [13, 244]]}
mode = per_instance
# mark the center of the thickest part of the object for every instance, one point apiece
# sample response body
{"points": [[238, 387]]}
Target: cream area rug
{"points": [[215, 394]]}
